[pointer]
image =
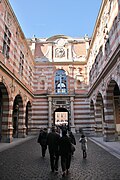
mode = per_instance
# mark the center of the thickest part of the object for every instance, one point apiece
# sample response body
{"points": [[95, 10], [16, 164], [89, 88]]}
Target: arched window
{"points": [[60, 82]]}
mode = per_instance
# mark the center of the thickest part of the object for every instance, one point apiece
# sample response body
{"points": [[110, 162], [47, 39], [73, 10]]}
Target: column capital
{"points": [[49, 98], [71, 98]]}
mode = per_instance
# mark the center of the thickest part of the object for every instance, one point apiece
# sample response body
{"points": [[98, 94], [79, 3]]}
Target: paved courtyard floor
{"points": [[24, 162]]}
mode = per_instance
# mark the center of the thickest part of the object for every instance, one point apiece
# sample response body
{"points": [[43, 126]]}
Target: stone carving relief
{"points": [[59, 53]]}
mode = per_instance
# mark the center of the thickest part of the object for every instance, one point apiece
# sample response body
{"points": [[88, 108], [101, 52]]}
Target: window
{"points": [[60, 82], [21, 63], [6, 42], [42, 84]]}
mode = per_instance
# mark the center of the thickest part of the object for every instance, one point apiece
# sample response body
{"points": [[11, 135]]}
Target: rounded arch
{"points": [[4, 109], [113, 108], [17, 116], [116, 94], [61, 68], [60, 82], [111, 84], [53, 38], [28, 116], [61, 116]]}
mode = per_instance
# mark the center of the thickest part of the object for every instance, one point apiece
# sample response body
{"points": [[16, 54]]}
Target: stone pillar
{"points": [[50, 113], [70, 52], [21, 123], [9, 137], [50, 55], [72, 114], [98, 120], [109, 125]]}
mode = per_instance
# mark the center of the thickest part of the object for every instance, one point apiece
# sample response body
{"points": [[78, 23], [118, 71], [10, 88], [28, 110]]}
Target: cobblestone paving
{"points": [[24, 162]]}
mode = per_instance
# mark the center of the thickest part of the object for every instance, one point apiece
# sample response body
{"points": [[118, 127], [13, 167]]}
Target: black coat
{"points": [[42, 139], [53, 142], [64, 146]]}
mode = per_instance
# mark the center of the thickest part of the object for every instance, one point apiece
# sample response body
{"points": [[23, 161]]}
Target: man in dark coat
{"points": [[65, 152], [42, 139], [53, 142]]}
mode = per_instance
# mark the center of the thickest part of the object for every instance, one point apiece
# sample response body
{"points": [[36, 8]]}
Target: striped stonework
{"points": [[4, 114], [42, 78], [99, 119], [92, 116], [82, 114], [110, 112], [39, 113]]}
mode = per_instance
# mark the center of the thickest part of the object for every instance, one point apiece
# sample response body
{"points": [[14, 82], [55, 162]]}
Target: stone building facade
{"points": [[103, 64], [60, 78], [77, 77]]}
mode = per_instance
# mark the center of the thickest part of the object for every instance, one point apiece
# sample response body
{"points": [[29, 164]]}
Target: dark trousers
{"points": [[84, 154], [54, 158], [44, 147], [65, 162]]}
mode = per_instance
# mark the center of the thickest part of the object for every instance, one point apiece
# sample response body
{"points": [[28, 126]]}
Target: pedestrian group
{"points": [[60, 145]]}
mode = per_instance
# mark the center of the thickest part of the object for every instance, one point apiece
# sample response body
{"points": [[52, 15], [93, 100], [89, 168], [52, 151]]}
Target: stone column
{"points": [[50, 55], [72, 114], [21, 121], [70, 52], [50, 113], [10, 126]]}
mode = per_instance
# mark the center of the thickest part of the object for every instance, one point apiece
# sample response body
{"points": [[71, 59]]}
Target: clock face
{"points": [[59, 52]]}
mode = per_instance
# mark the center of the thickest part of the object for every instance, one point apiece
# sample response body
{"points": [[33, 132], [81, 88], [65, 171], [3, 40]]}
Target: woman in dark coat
{"points": [[65, 152]]}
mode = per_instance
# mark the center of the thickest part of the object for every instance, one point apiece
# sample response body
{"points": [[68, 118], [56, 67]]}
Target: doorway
{"points": [[61, 117]]}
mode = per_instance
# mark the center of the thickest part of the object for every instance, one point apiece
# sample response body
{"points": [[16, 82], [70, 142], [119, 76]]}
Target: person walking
{"points": [[42, 139], [65, 153], [83, 141], [53, 147]]}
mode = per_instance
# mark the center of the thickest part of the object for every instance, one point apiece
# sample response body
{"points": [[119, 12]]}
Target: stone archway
{"points": [[17, 117], [61, 117], [116, 94], [4, 112], [112, 114]]}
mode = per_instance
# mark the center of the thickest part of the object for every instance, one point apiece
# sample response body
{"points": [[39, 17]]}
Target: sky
{"points": [[46, 18]]}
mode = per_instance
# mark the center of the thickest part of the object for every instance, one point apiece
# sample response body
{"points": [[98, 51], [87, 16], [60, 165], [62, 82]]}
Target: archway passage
{"points": [[116, 93], [17, 115], [1, 114], [112, 114], [61, 117], [4, 112]]}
